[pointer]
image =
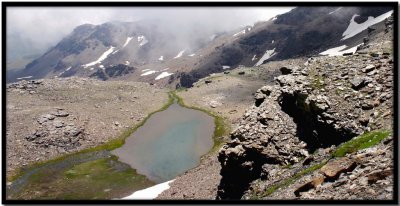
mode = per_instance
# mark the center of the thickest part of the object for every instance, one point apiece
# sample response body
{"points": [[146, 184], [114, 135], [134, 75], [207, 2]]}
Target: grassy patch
{"points": [[316, 79], [110, 145], [221, 126], [103, 178], [292, 179], [366, 140], [316, 83], [363, 141]]}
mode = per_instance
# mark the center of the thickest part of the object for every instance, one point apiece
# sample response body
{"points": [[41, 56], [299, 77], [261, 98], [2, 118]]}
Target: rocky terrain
{"points": [[153, 49], [298, 122], [290, 143], [52, 117], [302, 125], [227, 94]]}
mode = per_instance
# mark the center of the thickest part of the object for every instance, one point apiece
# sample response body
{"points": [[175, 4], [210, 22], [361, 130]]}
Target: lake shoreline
{"points": [[120, 140]]}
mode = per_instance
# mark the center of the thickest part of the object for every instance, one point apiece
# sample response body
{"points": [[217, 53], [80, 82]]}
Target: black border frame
{"points": [[395, 6]]}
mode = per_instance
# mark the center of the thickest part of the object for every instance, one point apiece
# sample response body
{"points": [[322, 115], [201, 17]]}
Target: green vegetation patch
{"points": [[363, 141], [290, 180], [110, 145], [103, 178]]}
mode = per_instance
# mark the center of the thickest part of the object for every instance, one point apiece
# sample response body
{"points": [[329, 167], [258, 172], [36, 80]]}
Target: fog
{"points": [[33, 30]]}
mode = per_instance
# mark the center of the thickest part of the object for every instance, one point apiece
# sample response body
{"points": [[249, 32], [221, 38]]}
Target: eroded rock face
{"points": [[311, 108]]}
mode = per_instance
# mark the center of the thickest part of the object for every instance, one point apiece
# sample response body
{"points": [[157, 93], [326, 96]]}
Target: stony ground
{"points": [[227, 94], [295, 126], [282, 113], [52, 117]]}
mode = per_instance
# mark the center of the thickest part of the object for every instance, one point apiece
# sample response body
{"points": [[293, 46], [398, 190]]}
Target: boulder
{"points": [[368, 68], [379, 175], [312, 184], [335, 167], [357, 83]]}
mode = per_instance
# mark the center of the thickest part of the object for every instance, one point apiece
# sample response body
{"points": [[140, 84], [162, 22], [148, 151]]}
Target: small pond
{"points": [[169, 143]]}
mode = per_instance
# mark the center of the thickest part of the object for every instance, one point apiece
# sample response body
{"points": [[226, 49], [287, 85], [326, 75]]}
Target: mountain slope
{"points": [[167, 57], [303, 31]]}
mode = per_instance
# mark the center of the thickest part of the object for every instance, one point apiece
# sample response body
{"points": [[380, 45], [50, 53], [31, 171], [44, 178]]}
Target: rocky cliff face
{"points": [[312, 109]]}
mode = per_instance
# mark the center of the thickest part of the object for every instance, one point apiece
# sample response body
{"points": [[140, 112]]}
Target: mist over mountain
{"points": [[39, 29], [201, 103], [177, 47]]}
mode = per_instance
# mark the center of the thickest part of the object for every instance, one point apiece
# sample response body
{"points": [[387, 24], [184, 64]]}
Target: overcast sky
{"points": [[38, 28]]}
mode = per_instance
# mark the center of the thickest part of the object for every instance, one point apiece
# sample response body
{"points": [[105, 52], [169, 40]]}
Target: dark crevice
{"points": [[317, 134], [236, 178], [259, 102]]}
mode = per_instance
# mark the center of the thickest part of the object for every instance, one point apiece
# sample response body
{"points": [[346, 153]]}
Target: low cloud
{"points": [[33, 29]]}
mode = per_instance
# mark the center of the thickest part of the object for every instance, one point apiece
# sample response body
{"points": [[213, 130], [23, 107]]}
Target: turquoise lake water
{"points": [[169, 143]]}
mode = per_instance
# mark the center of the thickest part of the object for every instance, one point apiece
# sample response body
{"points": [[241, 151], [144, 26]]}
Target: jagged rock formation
{"points": [[112, 72], [313, 107]]}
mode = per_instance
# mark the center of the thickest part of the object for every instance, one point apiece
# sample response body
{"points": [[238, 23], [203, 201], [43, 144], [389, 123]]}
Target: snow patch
{"points": [[165, 69], [145, 70], [65, 70], [354, 28], [335, 10], [148, 73], [162, 75], [115, 51], [27, 77], [127, 41], [338, 51], [240, 32], [192, 55], [272, 41], [161, 58], [149, 193], [254, 57], [127, 62], [225, 67], [268, 54], [142, 39], [179, 54], [102, 67], [101, 58]]}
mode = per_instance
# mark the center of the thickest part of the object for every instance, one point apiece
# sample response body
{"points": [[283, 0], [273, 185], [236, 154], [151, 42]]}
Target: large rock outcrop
{"points": [[314, 106]]}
